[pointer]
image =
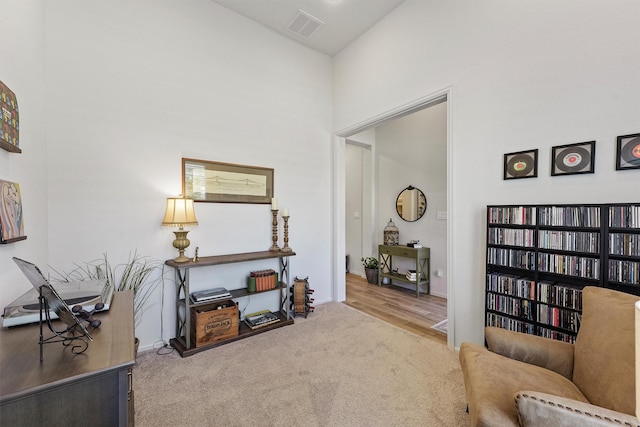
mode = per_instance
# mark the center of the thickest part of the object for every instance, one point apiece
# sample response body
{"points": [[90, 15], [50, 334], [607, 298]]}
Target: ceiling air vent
{"points": [[304, 24]]}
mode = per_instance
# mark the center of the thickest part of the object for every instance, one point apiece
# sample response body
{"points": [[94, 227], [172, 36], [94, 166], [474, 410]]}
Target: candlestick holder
{"points": [[286, 247], [274, 230]]}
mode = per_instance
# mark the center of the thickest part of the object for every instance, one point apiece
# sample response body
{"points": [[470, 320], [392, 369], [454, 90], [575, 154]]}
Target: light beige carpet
{"points": [[338, 367]]}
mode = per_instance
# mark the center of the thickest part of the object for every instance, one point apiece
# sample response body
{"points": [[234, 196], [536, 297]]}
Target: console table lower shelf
{"points": [[244, 332], [421, 263]]}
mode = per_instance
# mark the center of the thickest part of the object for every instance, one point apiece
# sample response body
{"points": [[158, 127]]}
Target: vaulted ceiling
{"points": [[324, 25]]}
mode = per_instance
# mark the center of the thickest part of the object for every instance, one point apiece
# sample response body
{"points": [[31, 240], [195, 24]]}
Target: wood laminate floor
{"points": [[398, 306]]}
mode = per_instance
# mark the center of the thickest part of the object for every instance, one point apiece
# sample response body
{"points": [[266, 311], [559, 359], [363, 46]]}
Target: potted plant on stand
{"points": [[371, 269]]}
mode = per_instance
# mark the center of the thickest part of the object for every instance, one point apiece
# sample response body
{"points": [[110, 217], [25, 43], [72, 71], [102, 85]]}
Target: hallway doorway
{"points": [[374, 212]]}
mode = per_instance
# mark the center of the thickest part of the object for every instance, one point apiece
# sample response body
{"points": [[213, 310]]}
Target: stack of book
{"points": [[411, 275], [210, 295], [261, 319], [264, 279]]}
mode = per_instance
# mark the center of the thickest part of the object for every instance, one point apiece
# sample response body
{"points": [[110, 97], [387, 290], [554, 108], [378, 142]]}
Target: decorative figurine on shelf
{"points": [[391, 234], [196, 257]]}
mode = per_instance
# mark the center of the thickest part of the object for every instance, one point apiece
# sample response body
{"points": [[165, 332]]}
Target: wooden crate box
{"points": [[214, 322]]}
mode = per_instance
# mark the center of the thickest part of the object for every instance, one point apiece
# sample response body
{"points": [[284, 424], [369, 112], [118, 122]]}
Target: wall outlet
{"points": [[438, 272], [441, 215], [356, 215]]}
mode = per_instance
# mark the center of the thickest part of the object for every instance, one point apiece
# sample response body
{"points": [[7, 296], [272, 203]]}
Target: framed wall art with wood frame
{"points": [[521, 164], [573, 159], [9, 120], [628, 152], [11, 223], [207, 181]]}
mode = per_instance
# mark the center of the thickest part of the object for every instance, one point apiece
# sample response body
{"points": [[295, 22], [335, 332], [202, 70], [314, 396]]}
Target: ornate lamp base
{"points": [[181, 243]]}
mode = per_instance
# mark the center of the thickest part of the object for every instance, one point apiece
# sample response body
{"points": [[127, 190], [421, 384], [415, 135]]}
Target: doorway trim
{"points": [[338, 162]]}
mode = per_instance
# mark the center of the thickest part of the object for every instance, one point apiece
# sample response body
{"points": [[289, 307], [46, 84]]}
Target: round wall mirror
{"points": [[411, 204]]}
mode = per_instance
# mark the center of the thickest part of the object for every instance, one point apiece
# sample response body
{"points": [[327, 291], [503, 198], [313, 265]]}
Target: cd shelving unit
{"points": [[539, 257]]}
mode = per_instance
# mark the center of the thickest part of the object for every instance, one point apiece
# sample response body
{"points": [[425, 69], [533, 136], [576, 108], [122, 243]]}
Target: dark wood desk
{"points": [[93, 388]]}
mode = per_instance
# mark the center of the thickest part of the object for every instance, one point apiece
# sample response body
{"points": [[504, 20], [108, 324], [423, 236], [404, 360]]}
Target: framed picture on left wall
{"points": [[11, 218]]}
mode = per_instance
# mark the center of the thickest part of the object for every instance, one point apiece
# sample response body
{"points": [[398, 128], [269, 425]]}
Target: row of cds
{"points": [[528, 328], [570, 265], [518, 215], [627, 272], [544, 291], [577, 241], [554, 316], [555, 335], [565, 216], [512, 236], [624, 244], [513, 306], [511, 285], [624, 216], [560, 295], [511, 258], [569, 216], [580, 241], [504, 322]]}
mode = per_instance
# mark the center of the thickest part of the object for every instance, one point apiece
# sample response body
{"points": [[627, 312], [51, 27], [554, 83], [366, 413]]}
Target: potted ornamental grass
{"points": [[140, 274], [371, 269]]}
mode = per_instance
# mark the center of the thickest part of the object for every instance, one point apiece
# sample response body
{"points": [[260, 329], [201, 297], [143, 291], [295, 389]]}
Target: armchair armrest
{"points": [[542, 409], [547, 353]]}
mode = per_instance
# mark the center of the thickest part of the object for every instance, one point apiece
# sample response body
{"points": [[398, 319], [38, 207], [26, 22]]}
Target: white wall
{"points": [[132, 87], [527, 74], [412, 150], [21, 69], [360, 175], [354, 157]]}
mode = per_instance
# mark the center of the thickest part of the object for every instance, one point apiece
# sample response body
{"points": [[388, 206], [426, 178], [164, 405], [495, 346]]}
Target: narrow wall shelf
{"points": [[9, 147]]}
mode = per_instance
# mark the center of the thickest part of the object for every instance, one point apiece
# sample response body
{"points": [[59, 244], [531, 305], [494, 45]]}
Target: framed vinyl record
{"points": [[628, 152], [573, 158], [521, 164]]}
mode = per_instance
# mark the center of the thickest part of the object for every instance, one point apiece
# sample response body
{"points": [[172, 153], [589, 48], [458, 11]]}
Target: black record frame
{"points": [[521, 164], [573, 159], [628, 152]]}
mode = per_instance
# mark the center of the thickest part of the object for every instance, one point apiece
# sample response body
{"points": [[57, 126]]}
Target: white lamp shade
{"points": [[179, 212], [638, 359]]}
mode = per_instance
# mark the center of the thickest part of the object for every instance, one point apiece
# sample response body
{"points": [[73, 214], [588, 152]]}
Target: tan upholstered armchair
{"points": [[528, 380]]}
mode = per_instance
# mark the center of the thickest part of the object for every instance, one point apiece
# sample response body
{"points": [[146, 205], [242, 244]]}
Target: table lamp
{"points": [[180, 213]]}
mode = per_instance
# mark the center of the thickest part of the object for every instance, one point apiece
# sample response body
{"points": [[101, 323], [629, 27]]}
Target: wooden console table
{"points": [[65, 389], [421, 256], [184, 306]]}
